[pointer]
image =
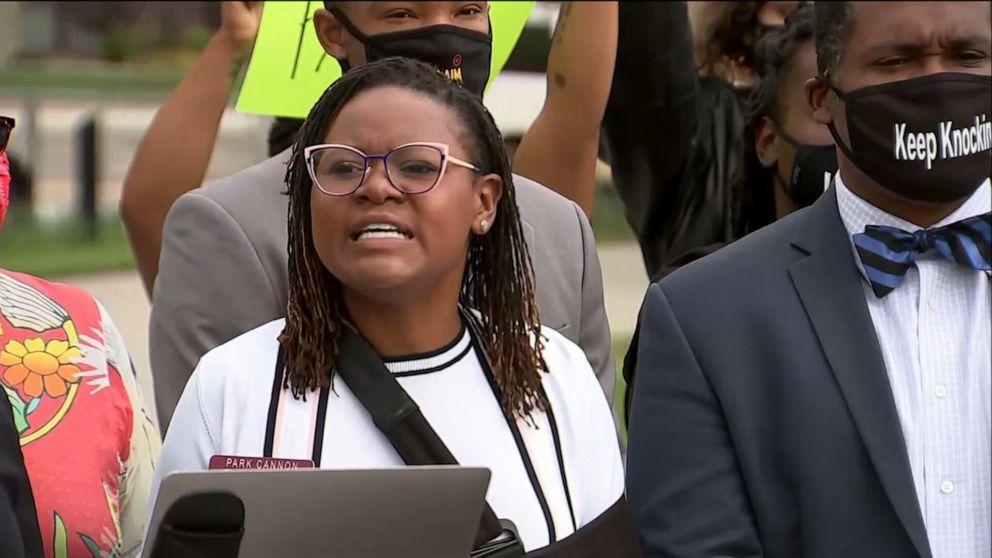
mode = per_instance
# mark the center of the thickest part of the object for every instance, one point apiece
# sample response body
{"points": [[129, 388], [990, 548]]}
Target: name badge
{"points": [[257, 463]]}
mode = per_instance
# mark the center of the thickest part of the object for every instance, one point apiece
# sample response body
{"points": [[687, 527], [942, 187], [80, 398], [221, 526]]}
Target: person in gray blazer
{"points": [[821, 388]]}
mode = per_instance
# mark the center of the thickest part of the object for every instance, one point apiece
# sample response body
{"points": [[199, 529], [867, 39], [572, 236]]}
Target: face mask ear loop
{"points": [[339, 14], [780, 131], [822, 78]]}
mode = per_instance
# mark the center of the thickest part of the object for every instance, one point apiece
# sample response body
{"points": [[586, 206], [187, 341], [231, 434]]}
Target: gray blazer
{"points": [[223, 271], [762, 421]]}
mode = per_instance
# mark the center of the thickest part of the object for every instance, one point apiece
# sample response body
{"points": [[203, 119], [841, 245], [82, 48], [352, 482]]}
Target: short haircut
{"points": [[775, 55], [831, 22]]}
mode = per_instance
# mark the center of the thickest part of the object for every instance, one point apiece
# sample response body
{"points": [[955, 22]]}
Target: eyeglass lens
{"points": [[412, 169]]}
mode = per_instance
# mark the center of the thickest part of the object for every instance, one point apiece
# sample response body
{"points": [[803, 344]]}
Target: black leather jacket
{"points": [[677, 142]]}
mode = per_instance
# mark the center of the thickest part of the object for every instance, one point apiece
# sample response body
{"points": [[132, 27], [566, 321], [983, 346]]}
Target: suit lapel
{"points": [[829, 285]]}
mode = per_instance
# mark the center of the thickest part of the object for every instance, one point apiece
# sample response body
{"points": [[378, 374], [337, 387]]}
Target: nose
{"points": [[938, 64], [376, 188]]}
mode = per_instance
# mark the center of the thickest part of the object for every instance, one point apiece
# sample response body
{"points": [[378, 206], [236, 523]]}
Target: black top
{"points": [[678, 144], [19, 533]]}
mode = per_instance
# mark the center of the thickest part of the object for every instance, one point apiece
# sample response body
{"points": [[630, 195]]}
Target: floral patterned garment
{"points": [[88, 445]]}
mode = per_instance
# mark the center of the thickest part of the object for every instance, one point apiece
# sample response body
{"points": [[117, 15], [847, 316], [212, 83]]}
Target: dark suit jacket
{"points": [[762, 421], [19, 534]]}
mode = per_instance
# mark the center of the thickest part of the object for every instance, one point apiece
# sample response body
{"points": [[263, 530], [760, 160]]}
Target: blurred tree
{"points": [[93, 28]]}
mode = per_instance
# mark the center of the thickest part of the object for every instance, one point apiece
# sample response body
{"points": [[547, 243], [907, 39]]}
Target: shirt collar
{"points": [[856, 213]]}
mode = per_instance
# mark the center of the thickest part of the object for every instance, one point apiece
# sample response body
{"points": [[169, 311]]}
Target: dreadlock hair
{"points": [[775, 55], [774, 58], [498, 280], [832, 21], [731, 42]]}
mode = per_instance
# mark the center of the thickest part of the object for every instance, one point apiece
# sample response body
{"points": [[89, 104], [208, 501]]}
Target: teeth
{"points": [[380, 227], [370, 235]]}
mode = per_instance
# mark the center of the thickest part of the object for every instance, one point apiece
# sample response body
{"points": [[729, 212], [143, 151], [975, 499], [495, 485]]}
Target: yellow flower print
{"points": [[41, 367]]}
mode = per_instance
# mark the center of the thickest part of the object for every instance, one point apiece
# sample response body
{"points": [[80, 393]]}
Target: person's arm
{"points": [[174, 154], [19, 533], [212, 287], [137, 471], [594, 329], [651, 118], [190, 443], [561, 147], [683, 478]]}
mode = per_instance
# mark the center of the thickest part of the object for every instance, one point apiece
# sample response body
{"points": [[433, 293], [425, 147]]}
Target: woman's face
{"points": [[427, 255]]}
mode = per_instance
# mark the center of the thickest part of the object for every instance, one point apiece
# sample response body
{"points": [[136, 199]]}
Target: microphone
{"points": [[202, 524]]}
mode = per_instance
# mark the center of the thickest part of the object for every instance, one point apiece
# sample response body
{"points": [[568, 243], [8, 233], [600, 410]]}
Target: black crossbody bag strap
{"points": [[611, 535], [398, 417]]}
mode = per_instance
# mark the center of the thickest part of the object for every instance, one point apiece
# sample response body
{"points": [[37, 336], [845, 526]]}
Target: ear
{"points": [[764, 142], [330, 33], [818, 96], [489, 190]]}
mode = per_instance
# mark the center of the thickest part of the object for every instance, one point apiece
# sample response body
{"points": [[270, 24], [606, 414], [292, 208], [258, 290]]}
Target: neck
{"points": [[784, 204], [922, 214], [411, 327]]}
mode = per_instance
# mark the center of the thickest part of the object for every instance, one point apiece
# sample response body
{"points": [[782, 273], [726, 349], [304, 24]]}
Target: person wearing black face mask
{"points": [[822, 386], [675, 130], [460, 54], [236, 227], [790, 156], [797, 150]]}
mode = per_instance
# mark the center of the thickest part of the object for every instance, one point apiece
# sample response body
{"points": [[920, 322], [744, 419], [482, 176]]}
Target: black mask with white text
{"points": [[927, 139], [462, 55], [812, 170]]}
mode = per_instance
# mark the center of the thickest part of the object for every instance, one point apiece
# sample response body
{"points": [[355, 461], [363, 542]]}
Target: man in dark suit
{"points": [[821, 387]]}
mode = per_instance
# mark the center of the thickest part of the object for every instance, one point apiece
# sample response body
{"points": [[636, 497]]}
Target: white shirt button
{"points": [[941, 391], [947, 487], [932, 303]]}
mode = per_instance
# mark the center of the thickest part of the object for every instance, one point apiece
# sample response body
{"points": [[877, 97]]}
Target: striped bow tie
{"points": [[887, 252]]}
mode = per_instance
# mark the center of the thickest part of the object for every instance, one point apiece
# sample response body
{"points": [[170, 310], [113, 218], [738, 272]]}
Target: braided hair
{"points": [[732, 39], [776, 54], [498, 279]]}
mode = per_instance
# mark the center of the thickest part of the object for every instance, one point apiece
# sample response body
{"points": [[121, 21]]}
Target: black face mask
{"points": [[462, 55], [812, 170], [927, 139]]}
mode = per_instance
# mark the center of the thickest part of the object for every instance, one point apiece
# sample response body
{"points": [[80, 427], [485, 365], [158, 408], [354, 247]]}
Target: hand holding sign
{"points": [[289, 69]]}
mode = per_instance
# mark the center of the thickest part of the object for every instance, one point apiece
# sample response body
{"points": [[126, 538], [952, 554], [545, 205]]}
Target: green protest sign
{"points": [[289, 70]]}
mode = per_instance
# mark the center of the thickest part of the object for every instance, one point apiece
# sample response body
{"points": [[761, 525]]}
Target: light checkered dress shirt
{"points": [[934, 332]]}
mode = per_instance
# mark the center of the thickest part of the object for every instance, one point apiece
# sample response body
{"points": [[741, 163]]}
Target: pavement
{"points": [[624, 283]]}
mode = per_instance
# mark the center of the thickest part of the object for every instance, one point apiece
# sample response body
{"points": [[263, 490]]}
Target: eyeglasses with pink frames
{"points": [[412, 168]]}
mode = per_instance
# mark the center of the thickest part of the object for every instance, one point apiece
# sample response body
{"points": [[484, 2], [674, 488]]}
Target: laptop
{"points": [[410, 512]]}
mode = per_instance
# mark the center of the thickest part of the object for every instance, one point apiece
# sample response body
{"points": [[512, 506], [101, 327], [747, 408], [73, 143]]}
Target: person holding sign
{"points": [[165, 168], [223, 262], [408, 267]]}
